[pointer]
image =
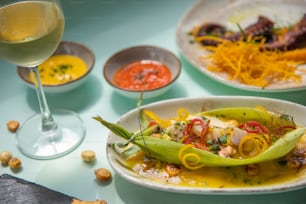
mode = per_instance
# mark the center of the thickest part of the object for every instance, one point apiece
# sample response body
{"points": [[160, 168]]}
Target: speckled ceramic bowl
{"points": [[70, 48], [137, 53]]}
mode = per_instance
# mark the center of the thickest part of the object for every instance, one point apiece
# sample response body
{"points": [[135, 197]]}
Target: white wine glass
{"points": [[30, 31]]}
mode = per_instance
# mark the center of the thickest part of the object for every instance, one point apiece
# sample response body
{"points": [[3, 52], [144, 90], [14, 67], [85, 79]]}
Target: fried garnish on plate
{"points": [[76, 201]]}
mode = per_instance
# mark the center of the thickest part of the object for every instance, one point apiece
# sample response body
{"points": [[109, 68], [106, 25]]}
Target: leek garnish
{"points": [[243, 114]]}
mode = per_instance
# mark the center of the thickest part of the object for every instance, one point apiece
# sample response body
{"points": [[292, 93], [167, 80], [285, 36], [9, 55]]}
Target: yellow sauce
{"points": [[270, 173], [60, 69]]}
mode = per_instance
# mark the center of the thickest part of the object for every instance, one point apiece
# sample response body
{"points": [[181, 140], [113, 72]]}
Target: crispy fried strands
{"points": [[298, 55], [249, 64]]}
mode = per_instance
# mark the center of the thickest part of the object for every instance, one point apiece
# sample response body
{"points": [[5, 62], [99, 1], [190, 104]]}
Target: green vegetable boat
{"points": [[193, 155]]}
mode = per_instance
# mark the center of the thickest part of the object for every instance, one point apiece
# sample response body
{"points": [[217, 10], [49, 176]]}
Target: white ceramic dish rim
{"points": [[206, 11], [169, 107]]}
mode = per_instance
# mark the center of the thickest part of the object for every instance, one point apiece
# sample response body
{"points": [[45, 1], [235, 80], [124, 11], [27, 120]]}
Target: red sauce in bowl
{"points": [[142, 75]]}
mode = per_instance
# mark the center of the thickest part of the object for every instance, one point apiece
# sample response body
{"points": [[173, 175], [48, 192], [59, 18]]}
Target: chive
{"points": [[223, 139], [214, 148], [244, 35]]}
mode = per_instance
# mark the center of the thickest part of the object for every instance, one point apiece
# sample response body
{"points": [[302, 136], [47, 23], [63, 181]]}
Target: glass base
{"points": [[36, 144]]}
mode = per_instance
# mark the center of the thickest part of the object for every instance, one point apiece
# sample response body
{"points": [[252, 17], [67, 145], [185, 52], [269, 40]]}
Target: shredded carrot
{"points": [[206, 37], [248, 63], [298, 55]]}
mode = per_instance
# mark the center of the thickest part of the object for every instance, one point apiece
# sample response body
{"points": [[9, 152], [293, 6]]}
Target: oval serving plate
{"points": [[229, 13], [167, 109]]}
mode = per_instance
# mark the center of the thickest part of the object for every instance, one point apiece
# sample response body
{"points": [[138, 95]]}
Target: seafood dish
{"points": [[223, 148], [255, 49], [275, 38]]}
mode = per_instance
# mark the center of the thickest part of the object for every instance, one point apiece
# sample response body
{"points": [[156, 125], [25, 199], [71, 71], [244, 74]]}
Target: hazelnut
{"points": [[14, 163], [103, 174], [88, 155], [5, 157], [12, 125]]}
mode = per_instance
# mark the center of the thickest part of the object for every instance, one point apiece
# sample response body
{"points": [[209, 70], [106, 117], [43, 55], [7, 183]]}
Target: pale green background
{"points": [[106, 27]]}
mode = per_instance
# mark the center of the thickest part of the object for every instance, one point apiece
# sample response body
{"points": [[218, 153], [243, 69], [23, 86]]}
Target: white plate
{"points": [[228, 13], [167, 109]]}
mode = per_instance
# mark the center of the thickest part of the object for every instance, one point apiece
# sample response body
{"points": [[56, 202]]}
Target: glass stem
{"points": [[47, 122]]}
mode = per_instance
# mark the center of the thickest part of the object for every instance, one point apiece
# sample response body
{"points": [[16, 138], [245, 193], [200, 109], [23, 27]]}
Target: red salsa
{"points": [[142, 75]]}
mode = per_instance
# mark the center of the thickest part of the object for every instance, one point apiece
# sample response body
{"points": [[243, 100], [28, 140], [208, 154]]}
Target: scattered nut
{"points": [[12, 125], [76, 201], [14, 163], [103, 174], [88, 155], [5, 157]]}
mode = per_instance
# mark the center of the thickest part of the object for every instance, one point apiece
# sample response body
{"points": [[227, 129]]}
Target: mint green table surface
{"points": [[106, 26]]}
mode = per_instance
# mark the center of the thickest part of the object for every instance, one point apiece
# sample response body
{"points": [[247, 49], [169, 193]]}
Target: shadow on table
{"points": [[134, 194], [129, 103], [76, 100]]}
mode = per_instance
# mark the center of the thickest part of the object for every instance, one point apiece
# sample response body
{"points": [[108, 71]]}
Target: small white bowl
{"points": [[137, 53], [69, 48]]}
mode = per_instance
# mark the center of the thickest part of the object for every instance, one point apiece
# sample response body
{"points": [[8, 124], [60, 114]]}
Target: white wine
{"points": [[30, 31]]}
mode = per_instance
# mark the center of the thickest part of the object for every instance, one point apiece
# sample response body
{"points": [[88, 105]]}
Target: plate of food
{"points": [[213, 145], [247, 44]]}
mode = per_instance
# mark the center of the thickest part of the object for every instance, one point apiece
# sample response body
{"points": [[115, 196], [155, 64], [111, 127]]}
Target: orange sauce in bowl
{"points": [[142, 75]]}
